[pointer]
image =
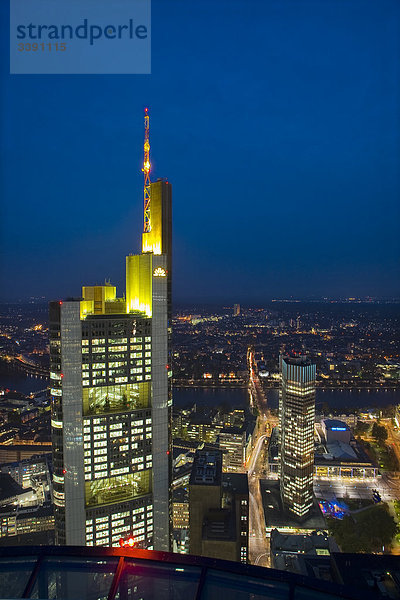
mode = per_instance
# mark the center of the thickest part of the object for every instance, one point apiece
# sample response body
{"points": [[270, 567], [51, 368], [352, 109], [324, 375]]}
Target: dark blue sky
{"points": [[276, 121]]}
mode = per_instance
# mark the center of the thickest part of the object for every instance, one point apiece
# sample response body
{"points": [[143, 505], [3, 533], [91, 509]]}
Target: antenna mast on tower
{"points": [[146, 171]]}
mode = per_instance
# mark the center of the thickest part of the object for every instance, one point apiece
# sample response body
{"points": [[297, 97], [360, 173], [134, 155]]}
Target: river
{"points": [[22, 383], [237, 397]]}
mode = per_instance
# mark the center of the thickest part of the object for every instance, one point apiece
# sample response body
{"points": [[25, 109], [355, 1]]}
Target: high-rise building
{"points": [[111, 396], [296, 422], [236, 310]]}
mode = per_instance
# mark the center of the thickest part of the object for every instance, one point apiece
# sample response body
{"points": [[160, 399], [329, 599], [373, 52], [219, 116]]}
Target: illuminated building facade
{"points": [[296, 421], [111, 399], [232, 441]]}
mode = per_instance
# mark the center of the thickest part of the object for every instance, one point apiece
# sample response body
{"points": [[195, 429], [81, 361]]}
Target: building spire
{"points": [[146, 171]]}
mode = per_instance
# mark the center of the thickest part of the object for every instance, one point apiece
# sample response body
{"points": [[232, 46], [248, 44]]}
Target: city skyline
{"points": [[282, 148], [229, 390]]}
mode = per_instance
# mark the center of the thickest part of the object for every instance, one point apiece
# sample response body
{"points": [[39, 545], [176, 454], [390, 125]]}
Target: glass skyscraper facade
{"points": [[111, 401], [296, 424]]}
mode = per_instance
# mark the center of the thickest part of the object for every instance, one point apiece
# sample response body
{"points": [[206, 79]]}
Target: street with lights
{"points": [[393, 437], [258, 542]]}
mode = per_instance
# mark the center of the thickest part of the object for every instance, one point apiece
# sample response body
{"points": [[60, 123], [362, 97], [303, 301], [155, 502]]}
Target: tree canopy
{"points": [[367, 531], [379, 432]]}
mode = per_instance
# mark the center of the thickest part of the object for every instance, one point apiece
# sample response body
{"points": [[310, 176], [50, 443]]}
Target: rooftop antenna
{"points": [[146, 171]]}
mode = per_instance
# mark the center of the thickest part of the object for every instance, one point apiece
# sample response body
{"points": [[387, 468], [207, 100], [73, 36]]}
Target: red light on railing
{"points": [[127, 542]]}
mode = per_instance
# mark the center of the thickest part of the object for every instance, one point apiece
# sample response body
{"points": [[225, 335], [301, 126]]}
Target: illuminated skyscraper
{"points": [[296, 422], [111, 397]]}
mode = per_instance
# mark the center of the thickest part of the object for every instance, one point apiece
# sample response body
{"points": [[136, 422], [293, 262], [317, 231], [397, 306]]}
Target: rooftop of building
{"points": [[196, 419], [37, 459], [274, 435], [339, 450], [207, 467], [275, 516], [335, 425], [306, 564], [180, 494], [302, 361], [237, 482], [36, 511], [219, 524], [184, 456], [28, 447], [111, 572], [311, 543], [233, 430], [9, 488], [193, 445]]}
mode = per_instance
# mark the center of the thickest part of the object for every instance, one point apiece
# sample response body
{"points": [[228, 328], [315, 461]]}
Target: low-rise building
{"points": [[202, 429], [273, 452], [180, 508], [232, 442], [335, 430], [15, 520], [338, 459], [285, 549]]}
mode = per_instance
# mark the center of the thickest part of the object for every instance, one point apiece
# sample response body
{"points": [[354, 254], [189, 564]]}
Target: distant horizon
{"points": [[229, 303]]}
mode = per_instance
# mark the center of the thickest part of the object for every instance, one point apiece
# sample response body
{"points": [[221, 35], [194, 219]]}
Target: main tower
{"points": [[111, 396]]}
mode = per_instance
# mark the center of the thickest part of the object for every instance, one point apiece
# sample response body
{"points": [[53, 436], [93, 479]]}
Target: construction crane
{"points": [[146, 171]]}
